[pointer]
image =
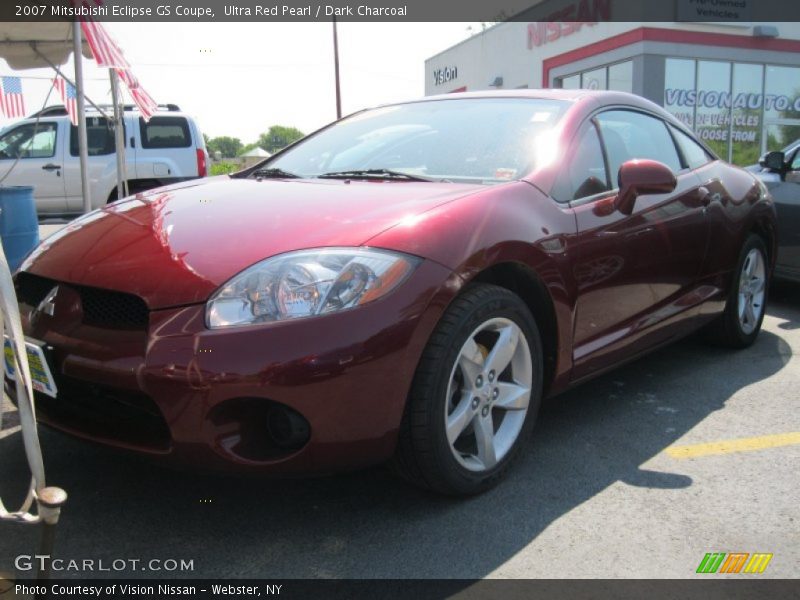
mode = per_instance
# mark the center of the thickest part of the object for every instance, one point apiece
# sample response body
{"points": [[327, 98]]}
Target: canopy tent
{"points": [[32, 45]]}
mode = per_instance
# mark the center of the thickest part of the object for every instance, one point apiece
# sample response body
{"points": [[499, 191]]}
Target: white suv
{"points": [[167, 149]]}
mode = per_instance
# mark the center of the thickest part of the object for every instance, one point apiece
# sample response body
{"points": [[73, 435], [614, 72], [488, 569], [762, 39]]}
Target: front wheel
{"points": [[739, 325], [475, 394]]}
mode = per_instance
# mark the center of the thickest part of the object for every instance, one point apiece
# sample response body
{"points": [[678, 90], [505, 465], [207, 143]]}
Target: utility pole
{"points": [[336, 70]]}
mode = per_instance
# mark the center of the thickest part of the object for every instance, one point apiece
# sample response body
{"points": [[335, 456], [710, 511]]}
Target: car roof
{"points": [[599, 98], [551, 94]]}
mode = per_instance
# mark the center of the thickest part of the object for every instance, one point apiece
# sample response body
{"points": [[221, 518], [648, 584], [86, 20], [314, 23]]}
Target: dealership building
{"points": [[737, 85]]}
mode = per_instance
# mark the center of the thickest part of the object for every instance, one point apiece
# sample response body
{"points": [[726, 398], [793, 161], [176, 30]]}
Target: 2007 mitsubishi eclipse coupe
{"points": [[403, 285]]}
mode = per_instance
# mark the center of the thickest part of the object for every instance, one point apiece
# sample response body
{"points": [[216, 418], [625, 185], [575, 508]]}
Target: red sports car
{"points": [[405, 284]]}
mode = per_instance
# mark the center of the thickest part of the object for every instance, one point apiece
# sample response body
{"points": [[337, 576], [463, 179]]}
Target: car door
{"points": [[32, 154], [102, 163], [635, 274], [786, 193]]}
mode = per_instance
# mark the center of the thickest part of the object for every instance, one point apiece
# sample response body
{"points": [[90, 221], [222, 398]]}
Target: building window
{"points": [[594, 80], [617, 77], [746, 118], [679, 78], [713, 104], [620, 77], [782, 106], [573, 82]]}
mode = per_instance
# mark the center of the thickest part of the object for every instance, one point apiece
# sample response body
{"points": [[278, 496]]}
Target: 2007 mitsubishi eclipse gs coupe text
{"points": [[406, 284]]}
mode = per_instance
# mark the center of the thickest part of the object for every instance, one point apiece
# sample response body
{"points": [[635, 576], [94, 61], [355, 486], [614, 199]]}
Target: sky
{"points": [[237, 79]]}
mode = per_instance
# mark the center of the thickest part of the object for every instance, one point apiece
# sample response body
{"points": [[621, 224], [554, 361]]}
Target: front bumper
{"points": [[196, 397]]}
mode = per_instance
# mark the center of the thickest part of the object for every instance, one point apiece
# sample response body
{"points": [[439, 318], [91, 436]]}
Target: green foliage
{"points": [[229, 147], [223, 168], [279, 137]]}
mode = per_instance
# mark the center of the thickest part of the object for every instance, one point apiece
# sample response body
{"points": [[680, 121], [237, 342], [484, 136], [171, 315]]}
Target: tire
{"points": [[456, 389], [735, 327]]}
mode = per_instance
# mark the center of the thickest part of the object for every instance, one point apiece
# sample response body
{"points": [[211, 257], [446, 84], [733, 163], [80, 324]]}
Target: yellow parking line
{"points": [[740, 445]]}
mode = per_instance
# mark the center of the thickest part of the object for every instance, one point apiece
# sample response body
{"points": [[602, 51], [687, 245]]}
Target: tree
{"points": [[279, 137], [228, 146]]}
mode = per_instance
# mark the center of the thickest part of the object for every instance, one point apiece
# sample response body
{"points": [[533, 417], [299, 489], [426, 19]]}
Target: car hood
{"points": [[176, 245]]}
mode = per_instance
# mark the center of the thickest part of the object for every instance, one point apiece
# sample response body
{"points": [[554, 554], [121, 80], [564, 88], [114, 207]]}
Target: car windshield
{"points": [[480, 140]]}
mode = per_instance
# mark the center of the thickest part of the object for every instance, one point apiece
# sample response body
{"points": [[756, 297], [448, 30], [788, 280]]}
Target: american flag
{"points": [[11, 100], [104, 49], [69, 97], [107, 54], [147, 106]]}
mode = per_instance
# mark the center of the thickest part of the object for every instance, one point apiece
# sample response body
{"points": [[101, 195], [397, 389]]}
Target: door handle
{"points": [[51, 167]]}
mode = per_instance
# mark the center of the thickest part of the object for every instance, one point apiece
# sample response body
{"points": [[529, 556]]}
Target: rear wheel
{"points": [[475, 395], [739, 325]]}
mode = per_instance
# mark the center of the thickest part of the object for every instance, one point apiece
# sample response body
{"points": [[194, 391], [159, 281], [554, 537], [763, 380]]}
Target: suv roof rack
{"points": [[50, 111], [132, 107], [59, 110]]}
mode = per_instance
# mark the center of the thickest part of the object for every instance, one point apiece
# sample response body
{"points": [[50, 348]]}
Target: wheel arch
{"points": [[524, 282], [764, 227]]}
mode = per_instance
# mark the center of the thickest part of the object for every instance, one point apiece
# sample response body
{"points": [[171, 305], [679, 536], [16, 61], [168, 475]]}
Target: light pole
{"points": [[336, 70]]}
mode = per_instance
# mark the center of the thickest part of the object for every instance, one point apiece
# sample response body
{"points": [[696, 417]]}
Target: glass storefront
{"points": [[617, 77], [739, 109]]}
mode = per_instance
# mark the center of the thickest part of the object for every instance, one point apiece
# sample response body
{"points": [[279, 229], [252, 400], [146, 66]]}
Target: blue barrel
{"points": [[19, 226]]}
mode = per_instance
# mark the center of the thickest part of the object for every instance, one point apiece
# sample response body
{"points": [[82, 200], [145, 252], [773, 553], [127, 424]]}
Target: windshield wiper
{"points": [[274, 173], [370, 173]]}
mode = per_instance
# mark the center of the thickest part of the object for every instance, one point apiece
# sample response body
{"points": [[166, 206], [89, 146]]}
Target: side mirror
{"points": [[640, 176], [774, 161]]}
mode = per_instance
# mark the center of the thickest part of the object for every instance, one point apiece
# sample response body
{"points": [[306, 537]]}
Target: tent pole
{"points": [[83, 144], [119, 136]]}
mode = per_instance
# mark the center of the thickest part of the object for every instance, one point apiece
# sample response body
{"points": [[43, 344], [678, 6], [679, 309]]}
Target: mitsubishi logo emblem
{"points": [[48, 305]]}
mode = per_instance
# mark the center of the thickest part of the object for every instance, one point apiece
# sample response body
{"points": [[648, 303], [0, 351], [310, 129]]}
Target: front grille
{"points": [[112, 309], [101, 308], [105, 414]]}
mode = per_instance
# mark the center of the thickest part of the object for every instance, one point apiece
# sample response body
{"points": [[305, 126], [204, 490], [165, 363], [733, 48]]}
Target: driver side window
{"points": [[587, 170], [628, 135], [29, 141]]}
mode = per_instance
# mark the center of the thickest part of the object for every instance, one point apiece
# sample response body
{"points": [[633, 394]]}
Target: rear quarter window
{"points": [[165, 132], [693, 153]]}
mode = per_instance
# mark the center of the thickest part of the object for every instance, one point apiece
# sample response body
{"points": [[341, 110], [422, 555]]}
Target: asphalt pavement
{"points": [[639, 473]]}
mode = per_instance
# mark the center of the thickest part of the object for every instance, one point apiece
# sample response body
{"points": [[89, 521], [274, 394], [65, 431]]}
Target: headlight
{"points": [[307, 283]]}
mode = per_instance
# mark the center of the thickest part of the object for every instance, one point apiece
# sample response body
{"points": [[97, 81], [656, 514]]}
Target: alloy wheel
{"points": [[752, 285], [488, 394]]}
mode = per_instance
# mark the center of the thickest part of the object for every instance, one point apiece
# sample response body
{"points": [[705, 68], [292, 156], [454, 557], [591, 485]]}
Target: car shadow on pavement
{"points": [[368, 524], [784, 301]]}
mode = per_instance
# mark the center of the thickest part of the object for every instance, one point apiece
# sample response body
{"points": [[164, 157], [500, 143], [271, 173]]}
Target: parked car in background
{"points": [[780, 171], [406, 284], [167, 149]]}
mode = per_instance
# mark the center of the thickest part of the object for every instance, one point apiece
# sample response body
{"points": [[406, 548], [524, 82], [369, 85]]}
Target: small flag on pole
{"points": [[11, 100], [69, 96]]}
